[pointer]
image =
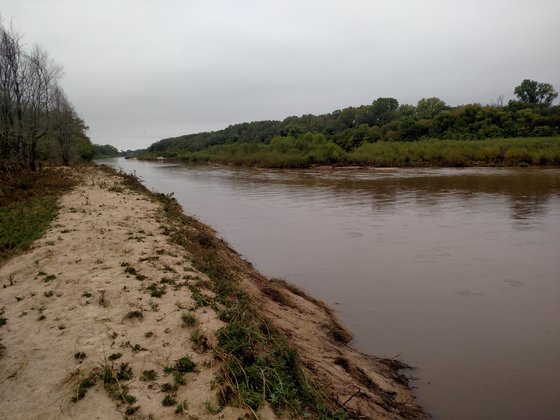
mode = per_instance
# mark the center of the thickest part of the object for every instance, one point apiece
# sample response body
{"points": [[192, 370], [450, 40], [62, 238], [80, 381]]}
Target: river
{"points": [[454, 271]]}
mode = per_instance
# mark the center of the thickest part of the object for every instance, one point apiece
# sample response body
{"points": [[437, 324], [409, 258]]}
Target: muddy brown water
{"points": [[455, 271]]}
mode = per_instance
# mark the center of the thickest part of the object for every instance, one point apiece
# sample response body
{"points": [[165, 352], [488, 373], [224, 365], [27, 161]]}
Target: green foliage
{"points": [[184, 365], [105, 151], [324, 139], [493, 152], [535, 93]]}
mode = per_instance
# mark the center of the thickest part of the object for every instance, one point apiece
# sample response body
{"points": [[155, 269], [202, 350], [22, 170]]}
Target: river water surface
{"points": [[455, 271]]}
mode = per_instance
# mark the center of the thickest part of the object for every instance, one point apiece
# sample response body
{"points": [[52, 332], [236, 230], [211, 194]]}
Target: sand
{"points": [[78, 299]]}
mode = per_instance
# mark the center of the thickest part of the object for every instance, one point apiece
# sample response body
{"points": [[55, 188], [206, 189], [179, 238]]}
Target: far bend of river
{"points": [[455, 271]]}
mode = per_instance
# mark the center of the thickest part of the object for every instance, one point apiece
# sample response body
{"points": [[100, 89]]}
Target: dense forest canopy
{"points": [[531, 115], [37, 120]]}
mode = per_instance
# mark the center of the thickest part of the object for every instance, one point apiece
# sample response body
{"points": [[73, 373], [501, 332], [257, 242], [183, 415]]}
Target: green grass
{"points": [[27, 206]]}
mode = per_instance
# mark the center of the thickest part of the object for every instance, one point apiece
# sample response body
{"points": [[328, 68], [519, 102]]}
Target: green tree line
{"points": [[532, 114], [37, 120], [105, 151]]}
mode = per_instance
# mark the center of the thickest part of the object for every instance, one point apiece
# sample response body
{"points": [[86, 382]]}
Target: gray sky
{"points": [[138, 70]]}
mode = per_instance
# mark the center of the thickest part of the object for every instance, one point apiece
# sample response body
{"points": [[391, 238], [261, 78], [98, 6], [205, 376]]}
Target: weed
{"points": [[169, 269], [124, 372], [153, 305], [185, 364], [114, 356], [134, 315], [168, 401], [48, 293], [130, 270], [148, 334], [82, 388], [167, 280], [80, 355], [137, 348], [179, 379], [151, 259], [181, 407], [168, 388], [87, 294], [102, 300], [189, 319], [50, 277], [155, 290], [3, 320], [199, 340], [148, 375]]}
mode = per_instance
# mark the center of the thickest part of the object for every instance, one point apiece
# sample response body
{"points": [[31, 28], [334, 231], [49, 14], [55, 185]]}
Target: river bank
{"points": [[128, 307], [311, 151]]}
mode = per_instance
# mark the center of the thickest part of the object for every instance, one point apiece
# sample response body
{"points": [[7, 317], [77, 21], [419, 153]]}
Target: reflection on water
{"points": [[456, 270]]}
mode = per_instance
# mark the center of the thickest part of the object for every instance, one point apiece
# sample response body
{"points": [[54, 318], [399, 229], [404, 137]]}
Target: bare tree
{"points": [[44, 76], [66, 124], [29, 89]]}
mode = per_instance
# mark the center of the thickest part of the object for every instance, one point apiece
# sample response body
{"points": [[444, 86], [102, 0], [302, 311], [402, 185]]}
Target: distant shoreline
{"points": [[514, 152]]}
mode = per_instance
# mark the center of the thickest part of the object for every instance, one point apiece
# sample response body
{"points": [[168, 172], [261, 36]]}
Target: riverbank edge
{"points": [[378, 387], [309, 346], [429, 153]]}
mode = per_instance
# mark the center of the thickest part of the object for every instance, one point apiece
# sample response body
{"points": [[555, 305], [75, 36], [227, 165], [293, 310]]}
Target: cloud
{"points": [[140, 70]]}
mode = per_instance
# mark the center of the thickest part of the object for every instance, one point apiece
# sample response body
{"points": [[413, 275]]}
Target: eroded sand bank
{"points": [[81, 297]]}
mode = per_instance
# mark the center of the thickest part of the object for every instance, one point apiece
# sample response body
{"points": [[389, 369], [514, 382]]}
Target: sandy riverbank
{"points": [[105, 292]]}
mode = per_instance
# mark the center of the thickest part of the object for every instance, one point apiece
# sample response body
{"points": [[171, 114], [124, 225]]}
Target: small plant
{"points": [[2, 319], [134, 315], [169, 269], [185, 364], [137, 348], [82, 388], [168, 388], [155, 290], [124, 372], [153, 305], [130, 270], [179, 379], [49, 293], [167, 280], [102, 301], [48, 278], [114, 356], [148, 334], [80, 355], [181, 407], [199, 340], [148, 375], [168, 401], [87, 294], [189, 319]]}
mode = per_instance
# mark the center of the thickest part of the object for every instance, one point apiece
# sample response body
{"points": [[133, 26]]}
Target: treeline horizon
{"points": [[345, 131], [38, 122]]}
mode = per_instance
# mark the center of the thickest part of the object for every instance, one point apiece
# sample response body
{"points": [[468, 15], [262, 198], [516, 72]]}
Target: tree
{"points": [[430, 107], [535, 93], [66, 124]]}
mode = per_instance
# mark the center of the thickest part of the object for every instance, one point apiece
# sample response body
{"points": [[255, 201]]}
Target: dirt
{"points": [[80, 297]]}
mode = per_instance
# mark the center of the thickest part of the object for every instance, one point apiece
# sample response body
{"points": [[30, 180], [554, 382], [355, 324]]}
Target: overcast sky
{"points": [[141, 70]]}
